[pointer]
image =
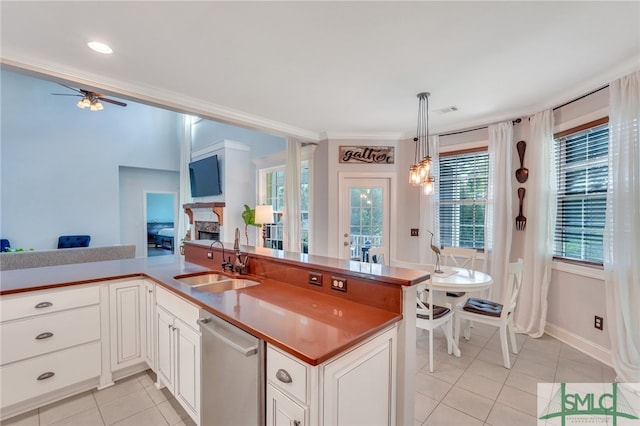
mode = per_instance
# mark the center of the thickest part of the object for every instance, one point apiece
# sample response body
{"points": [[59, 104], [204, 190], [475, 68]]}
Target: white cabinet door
{"points": [[178, 350], [166, 352], [187, 379], [127, 323], [369, 367], [282, 410], [149, 335]]}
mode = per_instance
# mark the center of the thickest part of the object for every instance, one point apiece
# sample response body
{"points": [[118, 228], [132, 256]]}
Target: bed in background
{"points": [[161, 234]]}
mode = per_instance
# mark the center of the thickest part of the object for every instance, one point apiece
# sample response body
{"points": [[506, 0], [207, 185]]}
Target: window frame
{"points": [[276, 228], [451, 153], [558, 135]]}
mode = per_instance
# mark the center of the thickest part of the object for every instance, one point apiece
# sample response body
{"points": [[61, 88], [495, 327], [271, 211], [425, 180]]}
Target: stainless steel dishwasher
{"points": [[233, 374]]}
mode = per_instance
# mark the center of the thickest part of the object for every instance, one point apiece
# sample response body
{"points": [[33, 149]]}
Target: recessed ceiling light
{"points": [[100, 47]]}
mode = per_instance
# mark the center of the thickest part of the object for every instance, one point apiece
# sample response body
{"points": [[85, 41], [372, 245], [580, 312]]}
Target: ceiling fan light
{"points": [[99, 105], [80, 104], [100, 47], [86, 102], [93, 107]]}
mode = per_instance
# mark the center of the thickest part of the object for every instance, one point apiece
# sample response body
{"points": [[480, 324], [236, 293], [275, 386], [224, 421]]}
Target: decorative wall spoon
{"points": [[522, 174]]}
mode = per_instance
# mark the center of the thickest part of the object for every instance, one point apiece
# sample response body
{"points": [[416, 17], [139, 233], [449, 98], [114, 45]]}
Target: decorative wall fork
{"points": [[521, 221]]}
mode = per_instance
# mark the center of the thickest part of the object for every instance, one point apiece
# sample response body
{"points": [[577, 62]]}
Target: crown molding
{"points": [[395, 136]]}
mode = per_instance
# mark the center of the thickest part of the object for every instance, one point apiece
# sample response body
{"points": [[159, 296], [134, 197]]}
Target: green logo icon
{"points": [[590, 403]]}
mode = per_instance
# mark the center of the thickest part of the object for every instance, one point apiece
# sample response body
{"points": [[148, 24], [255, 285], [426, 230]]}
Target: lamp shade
{"points": [[264, 214]]}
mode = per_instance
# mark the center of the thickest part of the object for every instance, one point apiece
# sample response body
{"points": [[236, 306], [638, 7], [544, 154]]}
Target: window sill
{"points": [[584, 271]]}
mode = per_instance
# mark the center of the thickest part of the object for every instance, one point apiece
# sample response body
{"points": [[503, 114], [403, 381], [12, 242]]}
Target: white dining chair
{"points": [[461, 258], [442, 315], [376, 255], [430, 317], [496, 314]]}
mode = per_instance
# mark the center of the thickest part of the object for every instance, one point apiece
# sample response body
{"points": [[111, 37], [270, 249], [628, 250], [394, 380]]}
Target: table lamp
{"points": [[264, 215]]}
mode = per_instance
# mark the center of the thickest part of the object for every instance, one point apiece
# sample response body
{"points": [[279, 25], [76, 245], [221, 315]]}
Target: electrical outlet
{"points": [[414, 232], [315, 278], [598, 322], [339, 284]]}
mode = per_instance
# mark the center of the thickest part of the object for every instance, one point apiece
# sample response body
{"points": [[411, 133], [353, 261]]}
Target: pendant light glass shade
{"points": [[420, 171]]}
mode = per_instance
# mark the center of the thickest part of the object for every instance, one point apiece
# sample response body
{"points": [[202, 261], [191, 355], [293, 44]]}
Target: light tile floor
{"points": [[134, 401], [474, 389]]}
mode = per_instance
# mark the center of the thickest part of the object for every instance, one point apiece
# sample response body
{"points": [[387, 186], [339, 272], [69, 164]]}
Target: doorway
{"points": [[160, 220], [364, 220]]}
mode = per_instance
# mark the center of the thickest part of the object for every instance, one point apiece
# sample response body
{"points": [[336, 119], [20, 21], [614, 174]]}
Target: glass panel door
{"points": [[364, 218]]}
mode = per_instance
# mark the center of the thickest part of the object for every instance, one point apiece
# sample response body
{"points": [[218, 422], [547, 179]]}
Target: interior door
{"points": [[364, 216]]}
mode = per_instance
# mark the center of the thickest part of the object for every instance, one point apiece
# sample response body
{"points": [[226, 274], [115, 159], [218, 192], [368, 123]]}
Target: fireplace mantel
{"points": [[215, 207]]}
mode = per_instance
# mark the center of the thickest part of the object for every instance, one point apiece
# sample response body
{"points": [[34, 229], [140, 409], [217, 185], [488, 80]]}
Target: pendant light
{"points": [[420, 171]]}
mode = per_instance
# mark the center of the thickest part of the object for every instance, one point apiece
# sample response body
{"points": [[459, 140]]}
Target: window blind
{"points": [[463, 193], [581, 160]]}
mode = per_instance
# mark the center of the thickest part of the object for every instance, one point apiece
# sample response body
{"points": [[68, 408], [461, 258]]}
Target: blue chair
{"points": [[70, 241], [4, 245]]}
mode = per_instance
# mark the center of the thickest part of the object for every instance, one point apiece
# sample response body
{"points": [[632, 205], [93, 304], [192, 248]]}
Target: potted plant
{"points": [[249, 217], [187, 236]]}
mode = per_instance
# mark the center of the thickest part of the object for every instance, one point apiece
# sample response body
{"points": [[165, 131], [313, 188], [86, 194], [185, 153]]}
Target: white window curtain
{"points": [[430, 208], [498, 218], [185, 186], [621, 253], [291, 213], [540, 210]]}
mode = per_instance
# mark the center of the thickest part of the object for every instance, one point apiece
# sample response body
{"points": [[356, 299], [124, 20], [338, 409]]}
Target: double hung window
{"points": [[582, 167], [463, 196]]}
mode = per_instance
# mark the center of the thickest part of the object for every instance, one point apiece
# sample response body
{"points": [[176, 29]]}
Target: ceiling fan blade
{"points": [[66, 94], [111, 101]]}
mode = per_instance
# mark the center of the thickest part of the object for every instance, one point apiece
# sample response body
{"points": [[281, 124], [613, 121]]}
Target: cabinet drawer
{"points": [[47, 301], [47, 333], [20, 380], [186, 311], [287, 374]]}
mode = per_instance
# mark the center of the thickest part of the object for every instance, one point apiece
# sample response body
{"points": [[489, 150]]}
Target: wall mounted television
{"points": [[204, 176]]}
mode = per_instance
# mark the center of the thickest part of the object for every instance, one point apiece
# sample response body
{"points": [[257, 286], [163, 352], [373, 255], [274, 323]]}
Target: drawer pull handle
{"points": [[45, 335], [43, 305], [283, 376], [296, 423], [47, 375]]}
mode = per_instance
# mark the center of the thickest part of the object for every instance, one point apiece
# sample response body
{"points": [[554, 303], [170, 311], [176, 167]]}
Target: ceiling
{"points": [[336, 69]]}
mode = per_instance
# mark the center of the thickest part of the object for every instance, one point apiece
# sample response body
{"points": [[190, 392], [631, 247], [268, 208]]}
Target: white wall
{"points": [[134, 183], [59, 166], [237, 149]]}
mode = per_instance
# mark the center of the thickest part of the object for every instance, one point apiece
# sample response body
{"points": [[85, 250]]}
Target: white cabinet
{"points": [[283, 411], [178, 344], [51, 346], [357, 387], [369, 367], [149, 315], [128, 324]]}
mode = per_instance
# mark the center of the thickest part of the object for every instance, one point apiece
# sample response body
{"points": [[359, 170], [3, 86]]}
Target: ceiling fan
{"points": [[89, 99]]}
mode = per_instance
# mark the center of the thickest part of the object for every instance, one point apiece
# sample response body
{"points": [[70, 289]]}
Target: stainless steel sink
{"points": [[224, 285], [215, 282], [196, 280]]}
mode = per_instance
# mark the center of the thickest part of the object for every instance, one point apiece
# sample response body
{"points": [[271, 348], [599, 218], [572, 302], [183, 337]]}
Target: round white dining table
{"points": [[457, 280]]}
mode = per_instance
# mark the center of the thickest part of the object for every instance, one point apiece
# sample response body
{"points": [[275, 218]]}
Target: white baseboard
{"points": [[594, 350]]}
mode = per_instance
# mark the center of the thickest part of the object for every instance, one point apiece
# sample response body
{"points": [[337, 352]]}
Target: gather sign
{"points": [[366, 154]]}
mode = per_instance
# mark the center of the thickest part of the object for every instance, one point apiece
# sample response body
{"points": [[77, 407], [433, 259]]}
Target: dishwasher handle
{"points": [[244, 350]]}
